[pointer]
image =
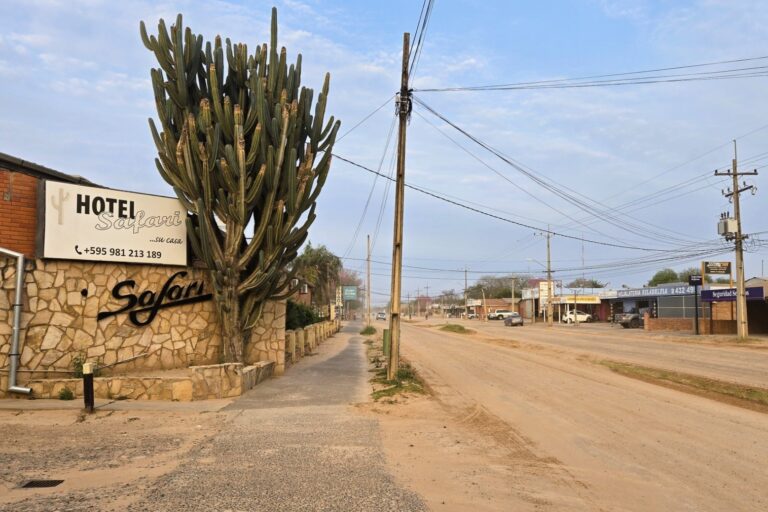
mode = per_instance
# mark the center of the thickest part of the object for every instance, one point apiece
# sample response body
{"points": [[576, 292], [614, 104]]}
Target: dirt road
{"points": [[569, 435], [742, 364]]}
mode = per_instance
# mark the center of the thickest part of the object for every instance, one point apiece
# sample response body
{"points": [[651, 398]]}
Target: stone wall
{"points": [[303, 341], [62, 301], [268, 338], [196, 383]]}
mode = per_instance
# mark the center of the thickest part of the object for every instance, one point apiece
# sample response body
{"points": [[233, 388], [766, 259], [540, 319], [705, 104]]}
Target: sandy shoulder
{"points": [[106, 460]]}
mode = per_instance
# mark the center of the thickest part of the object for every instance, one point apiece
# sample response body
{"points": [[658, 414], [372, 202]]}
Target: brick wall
{"points": [[669, 324], [18, 212], [686, 325], [718, 326]]}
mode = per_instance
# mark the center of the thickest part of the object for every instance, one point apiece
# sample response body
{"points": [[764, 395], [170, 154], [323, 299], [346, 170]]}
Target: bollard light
{"points": [[88, 386]]}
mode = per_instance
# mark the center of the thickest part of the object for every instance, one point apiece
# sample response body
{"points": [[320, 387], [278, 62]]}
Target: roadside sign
{"points": [[694, 280], [349, 292], [717, 267]]}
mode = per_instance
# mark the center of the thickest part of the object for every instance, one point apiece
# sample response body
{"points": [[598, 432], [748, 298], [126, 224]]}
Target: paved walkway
{"points": [[292, 443]]}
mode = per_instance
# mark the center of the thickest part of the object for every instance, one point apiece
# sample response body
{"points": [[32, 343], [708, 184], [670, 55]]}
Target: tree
{"points": [[585, 283], [320, 268], [497, 287], [348, 277], [238, 144], [449, 297], [666, 275]]}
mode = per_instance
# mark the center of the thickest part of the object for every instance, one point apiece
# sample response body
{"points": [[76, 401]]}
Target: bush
{"points": [[368, 330], [298, 315], [66, 394]]}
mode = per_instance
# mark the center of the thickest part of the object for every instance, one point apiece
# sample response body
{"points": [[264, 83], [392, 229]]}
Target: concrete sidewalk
{"points": [[292, 443]]}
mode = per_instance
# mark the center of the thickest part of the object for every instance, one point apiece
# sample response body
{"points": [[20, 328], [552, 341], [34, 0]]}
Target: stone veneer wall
{"points": [[268, 338], [59, 322]]}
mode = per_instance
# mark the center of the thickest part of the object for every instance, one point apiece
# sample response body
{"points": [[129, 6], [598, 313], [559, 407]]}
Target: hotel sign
{"points": [[99, 224]]}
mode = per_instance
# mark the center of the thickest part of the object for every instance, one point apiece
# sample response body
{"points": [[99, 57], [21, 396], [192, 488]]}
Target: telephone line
{"points": [[498, 217]]}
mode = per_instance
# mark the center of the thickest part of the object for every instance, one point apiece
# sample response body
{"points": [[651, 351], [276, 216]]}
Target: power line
{"points": [[363, 120], [506, 178], [420, 38], [384, 198], [498, 217], [567, 82], [373, 187], [565, 193]]}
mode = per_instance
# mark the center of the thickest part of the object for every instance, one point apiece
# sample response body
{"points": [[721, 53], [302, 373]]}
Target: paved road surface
{"points": [[609, 442], [745, 365], [293, 444]]}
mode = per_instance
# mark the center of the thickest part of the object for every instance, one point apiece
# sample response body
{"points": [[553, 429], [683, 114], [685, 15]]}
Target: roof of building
{"points": [[13, 163]]}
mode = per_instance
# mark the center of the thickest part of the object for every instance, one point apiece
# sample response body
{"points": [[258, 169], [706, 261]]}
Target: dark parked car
{"points": [[513, 320]]}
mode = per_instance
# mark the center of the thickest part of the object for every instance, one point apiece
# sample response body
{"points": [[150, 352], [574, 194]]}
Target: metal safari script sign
{"points": [[142, 307]]}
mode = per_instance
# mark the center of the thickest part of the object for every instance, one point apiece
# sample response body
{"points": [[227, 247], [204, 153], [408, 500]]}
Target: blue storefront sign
{"points": [[729, 294], [655, 291]]}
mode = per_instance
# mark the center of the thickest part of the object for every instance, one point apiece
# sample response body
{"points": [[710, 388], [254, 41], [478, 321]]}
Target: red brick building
{"points": [[19, 181]]}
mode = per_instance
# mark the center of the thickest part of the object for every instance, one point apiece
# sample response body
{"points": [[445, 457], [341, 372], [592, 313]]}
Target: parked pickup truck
{"points": [[499, 314], [633, 319]]}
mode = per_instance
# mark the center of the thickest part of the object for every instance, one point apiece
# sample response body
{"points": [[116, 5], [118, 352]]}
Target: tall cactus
{"points": [[239, 145]]}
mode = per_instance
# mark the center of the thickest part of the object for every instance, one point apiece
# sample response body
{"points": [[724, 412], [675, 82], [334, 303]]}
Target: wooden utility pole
{"points": [[742, 326], [403, 103], [409, 306], [466, 304], [513, 294], [550, 319], [368, 281], [418, 302]]}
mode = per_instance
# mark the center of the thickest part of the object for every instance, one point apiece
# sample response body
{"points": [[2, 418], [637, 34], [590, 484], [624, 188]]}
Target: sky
{"points": [[76, 96]]}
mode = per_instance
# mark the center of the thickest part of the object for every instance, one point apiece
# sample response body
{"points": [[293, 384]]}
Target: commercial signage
{"points": [[694, 280], [349, 292], [655, 291], [576, 299], [142, 306], [339, 301], [544, 289], [729, 294], [717, 267], [99, 224]]}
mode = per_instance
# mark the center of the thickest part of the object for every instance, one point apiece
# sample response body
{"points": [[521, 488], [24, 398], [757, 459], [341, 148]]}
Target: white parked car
{"points": [[576, 315]]}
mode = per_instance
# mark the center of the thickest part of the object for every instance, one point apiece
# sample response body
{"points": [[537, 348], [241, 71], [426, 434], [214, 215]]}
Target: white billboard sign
{"points": [[99, 224]]}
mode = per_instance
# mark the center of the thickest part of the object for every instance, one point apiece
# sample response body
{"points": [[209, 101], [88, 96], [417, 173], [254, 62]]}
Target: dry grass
{"points": [[456, 328], [736, 394]]}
